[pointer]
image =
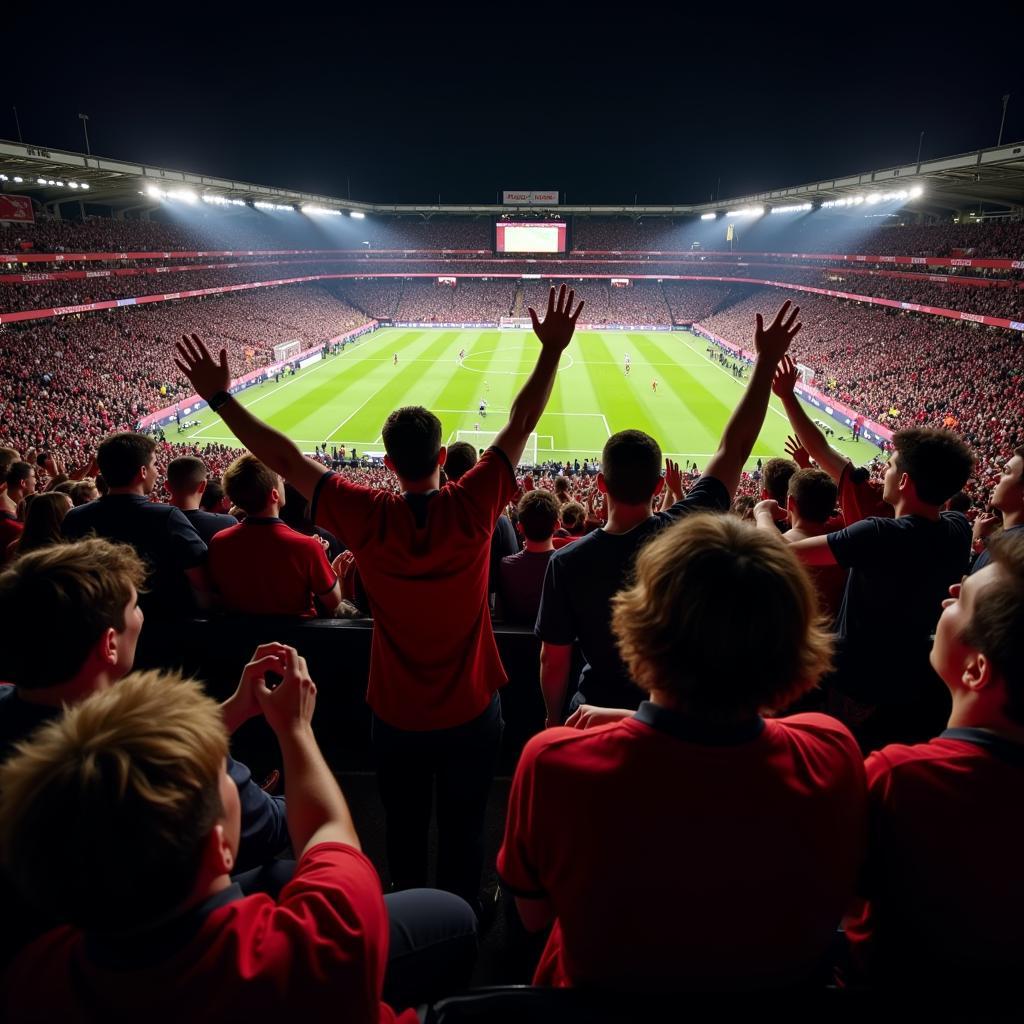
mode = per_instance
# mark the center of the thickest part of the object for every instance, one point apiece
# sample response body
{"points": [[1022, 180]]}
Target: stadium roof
{"points": [[991, 179]]}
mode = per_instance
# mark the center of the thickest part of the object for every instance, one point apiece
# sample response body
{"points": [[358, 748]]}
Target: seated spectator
{"points": [[261, 566], [186, 481], [944, 897], [156, 927], [734, 874], [521, 576], [1008, 499], [295, 513], [44, 514], [175, 554], [583, 576], [899, 570]]}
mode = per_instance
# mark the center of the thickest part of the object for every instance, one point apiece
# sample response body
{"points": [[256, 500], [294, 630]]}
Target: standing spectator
{"points": [[213, 498], [521, 576], [21, 481], [720, 625], [775, 477], [1008, 498], [175, 554], [261, 566], [186, 482], [44, 514], [424, 558], [10, 525], [582, 577]]}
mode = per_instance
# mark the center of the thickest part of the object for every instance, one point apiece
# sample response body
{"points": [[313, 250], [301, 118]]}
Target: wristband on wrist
{"points": [[218, 400]]}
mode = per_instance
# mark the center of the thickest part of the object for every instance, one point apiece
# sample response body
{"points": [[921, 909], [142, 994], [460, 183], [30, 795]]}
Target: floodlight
{"points": [[358, 214], [61, 183], [152, 190], [72, 184], [708, 216], [916, 191], [3, 177], [40, 181], [17, 179], [83, 185]]}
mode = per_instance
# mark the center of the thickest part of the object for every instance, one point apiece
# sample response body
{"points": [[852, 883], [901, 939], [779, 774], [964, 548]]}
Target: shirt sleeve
{"points": [[555, 623], [708, 494], [343, 508], [517, 858], [861, 544], [321, 576], [487, 488], [264, 826], [189, 548]]}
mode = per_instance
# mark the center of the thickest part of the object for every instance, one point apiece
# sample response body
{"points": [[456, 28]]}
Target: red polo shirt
{"points": [[263, 567], [944, 882], [860, 497], [318, 953], [674, 856], [424, 560]]}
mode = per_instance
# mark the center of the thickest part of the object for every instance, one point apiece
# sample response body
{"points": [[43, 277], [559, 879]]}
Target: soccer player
{"points": [[654, 386], [462, 355], [483, 408], [627, 364], [395, 363]]}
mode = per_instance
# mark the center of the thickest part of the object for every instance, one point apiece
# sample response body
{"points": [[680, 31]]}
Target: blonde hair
{"points": [[722, 617], [104, 811]]}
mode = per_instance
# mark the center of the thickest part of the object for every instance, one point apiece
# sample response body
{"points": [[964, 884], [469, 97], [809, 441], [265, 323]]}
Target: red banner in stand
{"points": [[78, 257], [17, 208]]}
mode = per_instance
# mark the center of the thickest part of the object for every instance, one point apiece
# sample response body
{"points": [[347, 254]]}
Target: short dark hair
{"points": [[538, 514], [574, 515], [561, 485], [412, 439], [186, 473], [249, 483], [937, 461], [775, 476], [121, 456], [213, 495], [460, 460], [58, 601], [18, 472], [814, 493], [631, 466], [8, 456], [997, 624]]}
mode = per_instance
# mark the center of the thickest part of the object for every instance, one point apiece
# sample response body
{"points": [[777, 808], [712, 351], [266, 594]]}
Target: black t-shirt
{"points": [[581, 580], [900, 573], [208, 524], [504, 543], [162, 536]]}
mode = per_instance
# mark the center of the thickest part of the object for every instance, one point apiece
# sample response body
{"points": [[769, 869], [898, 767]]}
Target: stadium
{"points": [[628, 539]]}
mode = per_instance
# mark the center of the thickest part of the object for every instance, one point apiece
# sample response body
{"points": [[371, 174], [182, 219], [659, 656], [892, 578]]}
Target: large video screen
{"points": [[520, 237]]}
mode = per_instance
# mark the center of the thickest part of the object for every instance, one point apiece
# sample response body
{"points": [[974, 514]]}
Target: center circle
{"points": [[506, 373]]}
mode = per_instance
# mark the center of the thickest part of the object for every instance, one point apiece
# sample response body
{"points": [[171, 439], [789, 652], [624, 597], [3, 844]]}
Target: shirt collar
{"points": [[998, 746], [261, 520], [694, 729]]}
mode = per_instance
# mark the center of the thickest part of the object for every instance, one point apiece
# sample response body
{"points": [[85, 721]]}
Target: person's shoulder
{"points": [[580, 549], [956, 522], [897, 757], [820, 729], [570, 747]]}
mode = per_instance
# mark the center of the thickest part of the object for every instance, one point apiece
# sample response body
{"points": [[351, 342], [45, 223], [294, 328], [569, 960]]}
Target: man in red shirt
{"points": [[695, 843], [158, 930], [423, 556], [261, 566], [943, 885]]}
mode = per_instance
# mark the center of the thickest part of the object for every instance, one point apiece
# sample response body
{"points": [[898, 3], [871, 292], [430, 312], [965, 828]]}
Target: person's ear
{"points": [[390, 464], [442, 455], [201, 488], [658, 487], [977, 673], [790, 506], [601, 485], [106, 646], [218, 858]]}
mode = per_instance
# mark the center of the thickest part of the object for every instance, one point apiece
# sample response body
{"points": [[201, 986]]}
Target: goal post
{"points": [[285, 350], [483, 439], [514, 323]]}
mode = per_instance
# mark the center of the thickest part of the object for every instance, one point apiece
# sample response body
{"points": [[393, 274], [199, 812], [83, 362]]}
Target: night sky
{"points": [[643, 104]]}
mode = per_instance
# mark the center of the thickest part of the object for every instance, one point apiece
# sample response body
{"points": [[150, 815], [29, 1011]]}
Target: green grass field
{"points": [[346, 398]]}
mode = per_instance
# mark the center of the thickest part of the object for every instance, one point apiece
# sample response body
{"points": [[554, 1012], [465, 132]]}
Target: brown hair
{"points": [[58, 601], [461, 459], [104, 812], [723, 617], [538, 514], [937, 461], [248, 483], [814, 493], [775, 477], [573, 516], [186, 473], [43, 515]]}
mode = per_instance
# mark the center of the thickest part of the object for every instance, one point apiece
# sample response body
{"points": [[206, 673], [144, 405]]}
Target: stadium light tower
{"points": [[84, 118]]}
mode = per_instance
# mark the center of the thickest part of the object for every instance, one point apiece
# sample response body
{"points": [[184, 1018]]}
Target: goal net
{"points": [[286, 350], [483, 439], [515, 323]]}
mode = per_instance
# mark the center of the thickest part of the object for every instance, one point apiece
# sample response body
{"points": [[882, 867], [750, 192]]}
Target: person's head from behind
{"points": [[8, 456], [84, 491], [213, 498], [460, 460], [562, 488], [128, 461], [186, 478], [978, 648], [721, 620], [43, 515], [412, 443], [775, 476], [812, 496], [927, 465], [631, 468], [960, 502], [1008, 495], [129, 787], [254, 487], [74, 609], [539, 512], [574, 517]]}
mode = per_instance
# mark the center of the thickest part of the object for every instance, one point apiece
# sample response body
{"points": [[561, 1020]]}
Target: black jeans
{"points": [[460, 761]]}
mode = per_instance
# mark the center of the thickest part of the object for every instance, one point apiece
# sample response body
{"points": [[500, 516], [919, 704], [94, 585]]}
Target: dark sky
{"points": [[602, 106]]}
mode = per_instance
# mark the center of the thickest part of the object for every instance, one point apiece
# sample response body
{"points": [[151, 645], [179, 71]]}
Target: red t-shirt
{"points": [[861, 498], [10, 531], [674, 861], [424, 560], [263, 567], [318, 953], [944, 882]]}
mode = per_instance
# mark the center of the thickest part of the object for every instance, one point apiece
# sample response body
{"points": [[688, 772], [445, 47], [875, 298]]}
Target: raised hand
{"points": [[794, 449], [984, 526], [205, 375], [673, 479], [559, 322], [769, 508], [773, 343], [786, 376]]}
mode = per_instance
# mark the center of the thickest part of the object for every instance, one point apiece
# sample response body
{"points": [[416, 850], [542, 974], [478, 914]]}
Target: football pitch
{"points": [[345, 399]]}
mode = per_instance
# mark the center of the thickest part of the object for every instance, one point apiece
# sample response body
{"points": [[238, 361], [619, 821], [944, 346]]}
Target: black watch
{"points": [[218, 400]]}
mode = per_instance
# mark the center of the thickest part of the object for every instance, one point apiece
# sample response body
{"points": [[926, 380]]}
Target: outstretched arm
{"points": [[746, 421], [270, 446], [555, 334], [810, 437]]}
